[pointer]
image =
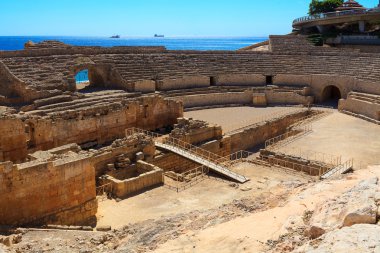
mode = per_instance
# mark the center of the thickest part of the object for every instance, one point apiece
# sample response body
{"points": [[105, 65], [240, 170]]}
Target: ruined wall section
{"points": [[174, 162], [96, 125], [13, 139], [60, 192], [367, 105], [12, 89], [149, 176], [247, 139], [216, 99]]}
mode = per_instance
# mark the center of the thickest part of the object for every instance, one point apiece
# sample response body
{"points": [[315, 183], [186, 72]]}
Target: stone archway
{"points": [[331, 94], [98, 76]]}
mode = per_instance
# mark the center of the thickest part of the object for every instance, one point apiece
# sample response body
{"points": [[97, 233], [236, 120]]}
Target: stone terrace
{"points": [[51, 75]]}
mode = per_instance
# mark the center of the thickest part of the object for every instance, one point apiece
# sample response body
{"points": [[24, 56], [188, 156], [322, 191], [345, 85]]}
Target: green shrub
{"points": [[323, 6]]}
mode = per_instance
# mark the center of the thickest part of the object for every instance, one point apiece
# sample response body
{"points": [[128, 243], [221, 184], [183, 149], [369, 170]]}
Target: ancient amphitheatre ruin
{"points": [[272, 148]]}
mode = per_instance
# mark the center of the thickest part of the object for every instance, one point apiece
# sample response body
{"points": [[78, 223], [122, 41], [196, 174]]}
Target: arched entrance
{"points": [[82, 80], [90, 77], [331, 95]]}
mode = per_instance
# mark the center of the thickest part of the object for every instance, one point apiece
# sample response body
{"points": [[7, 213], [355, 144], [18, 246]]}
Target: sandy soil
{"points": [[216, 216], [232, 118], [341, 134], [250, 233], [209, 193]]}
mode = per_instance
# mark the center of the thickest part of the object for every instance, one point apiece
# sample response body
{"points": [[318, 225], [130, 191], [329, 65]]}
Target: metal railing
{"points": [[334, 15], [210, 159], [103, 191], [298, 129], [339, 169], [182, 181], [105, 188], [294, 133], [312, 155], [315, 115], [312, 170]]}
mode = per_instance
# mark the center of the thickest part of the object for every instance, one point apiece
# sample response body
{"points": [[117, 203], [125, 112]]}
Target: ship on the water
{"points": [[115, 37], [159, 36]]}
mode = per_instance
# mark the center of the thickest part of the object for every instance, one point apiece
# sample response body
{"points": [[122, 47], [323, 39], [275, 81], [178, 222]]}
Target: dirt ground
{"points": [[252, 232], [217, 216], [232, 118], [209, 193], [337, 134], [343, 135]]}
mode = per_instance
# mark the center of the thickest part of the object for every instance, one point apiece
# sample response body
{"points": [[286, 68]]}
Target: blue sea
{"points": [[171, 43]]}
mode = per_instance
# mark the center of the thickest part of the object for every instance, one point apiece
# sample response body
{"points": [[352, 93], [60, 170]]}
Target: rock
{"points": [[29, 44], [6, 240], [139, 156], [233, 185], [361, 217], [246, 189], [359, 238], [314, 232], [16, 238], [355, 206], [103, 228]]}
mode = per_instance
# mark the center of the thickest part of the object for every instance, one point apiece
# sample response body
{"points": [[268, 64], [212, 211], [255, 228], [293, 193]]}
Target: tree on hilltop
{"points": [[318, 6]]}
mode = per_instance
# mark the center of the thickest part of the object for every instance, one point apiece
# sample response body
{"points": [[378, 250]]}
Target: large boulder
{"points": [[356, 206], [360, 238]]}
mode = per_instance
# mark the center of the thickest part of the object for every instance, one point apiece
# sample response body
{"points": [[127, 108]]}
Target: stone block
{"points": [[139, 156], [103, 228], [259, 99]]}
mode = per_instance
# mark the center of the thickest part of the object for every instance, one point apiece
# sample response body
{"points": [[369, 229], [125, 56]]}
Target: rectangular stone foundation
{"points": [[57, 192]]}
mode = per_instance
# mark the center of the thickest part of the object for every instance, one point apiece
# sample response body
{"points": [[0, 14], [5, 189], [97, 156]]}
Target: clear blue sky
{"points": [[147, 17]]}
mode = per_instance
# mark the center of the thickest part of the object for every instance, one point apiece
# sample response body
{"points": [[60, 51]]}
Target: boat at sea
{"points": [[159, 36], [115, 37]]}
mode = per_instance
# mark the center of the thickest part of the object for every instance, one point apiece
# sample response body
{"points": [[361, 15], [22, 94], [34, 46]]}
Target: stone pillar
{"points": [[361, 26]]}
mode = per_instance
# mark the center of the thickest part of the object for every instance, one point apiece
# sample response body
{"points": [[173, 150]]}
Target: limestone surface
{"points": [[355, 206], [359, 238]]}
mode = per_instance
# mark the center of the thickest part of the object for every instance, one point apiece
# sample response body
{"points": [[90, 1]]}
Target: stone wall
{"points": [[187, 82], [150, 176], [250, 138], [60, 192], [212, 99], [273, 97], [240, 79], [174, 162], [309, 167], [128, 147], [367, 105], [13, 140], [294, 80], [145, 86], [195, 131], [97, 125], [220, 147]]}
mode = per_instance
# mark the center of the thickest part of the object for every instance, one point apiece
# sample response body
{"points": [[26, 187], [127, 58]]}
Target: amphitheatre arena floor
{"points": [[341, 134], [337, 134], [232, 118], [209, 193]]}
